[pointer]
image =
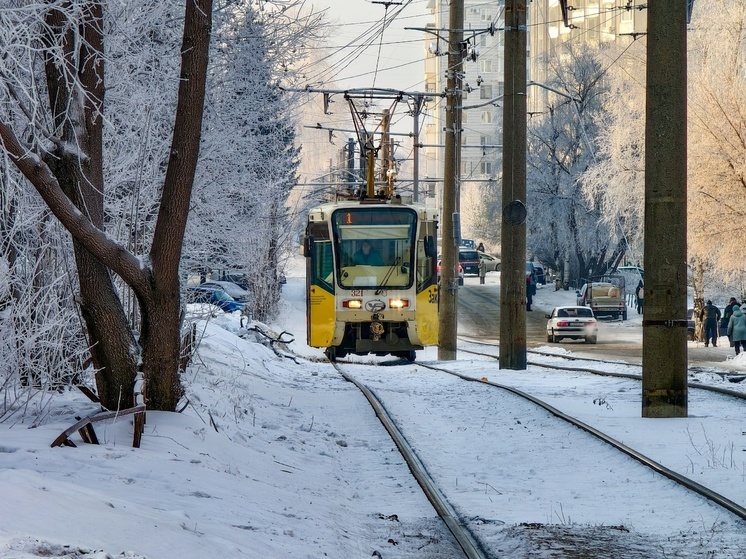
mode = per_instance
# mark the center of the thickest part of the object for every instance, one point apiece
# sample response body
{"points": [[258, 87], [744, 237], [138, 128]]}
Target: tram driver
{"points": [[367, 255]]}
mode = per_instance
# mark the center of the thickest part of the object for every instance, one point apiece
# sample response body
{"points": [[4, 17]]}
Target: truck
{"points": [[604, 295]]}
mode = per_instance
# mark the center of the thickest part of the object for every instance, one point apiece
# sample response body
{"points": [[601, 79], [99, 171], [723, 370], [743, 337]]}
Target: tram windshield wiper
{"points": [[387, 277]]}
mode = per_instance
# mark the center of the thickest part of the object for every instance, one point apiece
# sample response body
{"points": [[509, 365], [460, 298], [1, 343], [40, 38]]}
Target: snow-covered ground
{"points": [[272, 458]]}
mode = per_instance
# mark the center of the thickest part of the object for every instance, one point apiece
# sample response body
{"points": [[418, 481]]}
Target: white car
{"points": [[575, 323]]}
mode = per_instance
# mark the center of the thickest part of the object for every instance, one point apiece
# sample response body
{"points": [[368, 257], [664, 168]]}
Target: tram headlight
{"points": [[352, 303], [398, 303]]}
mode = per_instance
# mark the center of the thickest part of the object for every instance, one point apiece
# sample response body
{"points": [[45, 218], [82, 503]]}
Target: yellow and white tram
{"points": [[381, 298]]}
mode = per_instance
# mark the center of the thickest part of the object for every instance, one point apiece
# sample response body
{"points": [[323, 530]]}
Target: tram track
{"points": [[463, 536], [634, 374], [684, 481], [459, 525]]}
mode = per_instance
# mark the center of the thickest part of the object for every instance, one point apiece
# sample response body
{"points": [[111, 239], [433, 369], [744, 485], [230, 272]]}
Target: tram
{"points": [[371, 284]]}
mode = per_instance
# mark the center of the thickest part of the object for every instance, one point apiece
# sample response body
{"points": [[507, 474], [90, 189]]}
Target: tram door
{"points": [[320, 308]]}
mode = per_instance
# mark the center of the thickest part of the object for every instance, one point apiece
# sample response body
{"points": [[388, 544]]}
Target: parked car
{"points": [[575, 323], [492, 262], [241, 280], [539, 272], [215, 296], [232, 289], [469, 259], [460, 273]]}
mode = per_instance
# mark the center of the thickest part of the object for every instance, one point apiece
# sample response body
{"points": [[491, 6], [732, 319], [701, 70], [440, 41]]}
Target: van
{"points": [[469, 260], [539, 272]]}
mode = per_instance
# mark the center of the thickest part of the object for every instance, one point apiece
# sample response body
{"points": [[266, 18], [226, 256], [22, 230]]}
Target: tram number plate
{"points": [[356, 293]]}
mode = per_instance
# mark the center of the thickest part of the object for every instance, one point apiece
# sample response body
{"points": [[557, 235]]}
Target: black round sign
{"points": [[515, 213]]}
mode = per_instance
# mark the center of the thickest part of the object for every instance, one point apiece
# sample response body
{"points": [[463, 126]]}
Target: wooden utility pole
{"points": [[447, 317], [513, 241], [664, 351]]}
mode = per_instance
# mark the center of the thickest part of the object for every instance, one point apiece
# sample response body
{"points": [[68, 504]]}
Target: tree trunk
{"points": [[71, 183], [113, 346]]}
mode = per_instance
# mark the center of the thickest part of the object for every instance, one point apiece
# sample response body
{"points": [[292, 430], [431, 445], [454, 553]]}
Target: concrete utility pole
{"points": [[513, 242], [418, 102], [664, 352], [447, 315], [385, 144]]}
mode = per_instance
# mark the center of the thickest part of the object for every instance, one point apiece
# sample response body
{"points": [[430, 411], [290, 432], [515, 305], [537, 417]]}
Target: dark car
{"points": [[215, 296], [231, 288], [469, 260], [539, 273]]}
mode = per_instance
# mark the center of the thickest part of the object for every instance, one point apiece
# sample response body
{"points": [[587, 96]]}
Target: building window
{"points": [[486, 117], [485, 167], [485, 65], [485, 91]]}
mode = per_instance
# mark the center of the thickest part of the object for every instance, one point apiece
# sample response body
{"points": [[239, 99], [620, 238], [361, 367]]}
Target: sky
{"points": [[365, 58], [277, 457], [357, 56]]}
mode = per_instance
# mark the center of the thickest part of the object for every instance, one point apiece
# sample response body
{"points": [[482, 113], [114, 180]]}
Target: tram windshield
{"points": [[374, 246]]}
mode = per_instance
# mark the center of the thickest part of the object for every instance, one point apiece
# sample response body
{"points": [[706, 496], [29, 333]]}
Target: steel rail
{"points": [[684, 481], [631, 376], [465, 539]]}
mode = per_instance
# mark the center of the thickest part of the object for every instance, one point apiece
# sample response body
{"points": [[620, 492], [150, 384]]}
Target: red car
{"points": [[460, 273]]}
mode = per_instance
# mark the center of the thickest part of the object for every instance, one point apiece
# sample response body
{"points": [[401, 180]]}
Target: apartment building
{"points": [[481, 87], [597, 22]]}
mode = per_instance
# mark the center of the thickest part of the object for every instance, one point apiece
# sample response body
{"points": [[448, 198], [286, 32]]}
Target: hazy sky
{"points": [[362, 57]]}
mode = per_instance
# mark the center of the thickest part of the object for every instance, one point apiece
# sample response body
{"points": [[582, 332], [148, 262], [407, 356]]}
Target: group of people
{"points": [[733, 320]]}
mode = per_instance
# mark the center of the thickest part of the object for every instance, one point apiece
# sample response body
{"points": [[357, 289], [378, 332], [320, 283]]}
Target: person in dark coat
{"points": [[727, 312], [367, 255], [530, 289], [710, 316], [480, 247], [640, 294]]}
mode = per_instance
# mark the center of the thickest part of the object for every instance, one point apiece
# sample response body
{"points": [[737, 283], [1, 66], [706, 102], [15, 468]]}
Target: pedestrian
{"points": [[367, 255], [482, 270], [530, 289], [737, 328], [727, 312], [640, 293], [710, 316], [480, 247]]}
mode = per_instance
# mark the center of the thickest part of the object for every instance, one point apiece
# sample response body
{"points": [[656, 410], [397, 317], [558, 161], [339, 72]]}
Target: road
{"points": [[479, 318]]}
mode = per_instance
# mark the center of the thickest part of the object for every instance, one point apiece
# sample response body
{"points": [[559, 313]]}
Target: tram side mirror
{"points": [[430, 246], [307, 246]]}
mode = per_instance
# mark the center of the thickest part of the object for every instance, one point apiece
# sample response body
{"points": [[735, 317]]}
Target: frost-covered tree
{"points": [[615, 179], [41, 346], [563, 226], [717, 136], [716, 146], [239, 223], [53, 123]]}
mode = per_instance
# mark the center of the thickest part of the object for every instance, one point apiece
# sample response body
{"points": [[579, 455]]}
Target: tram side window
{"points": [[323, 264], [424, 264]]}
